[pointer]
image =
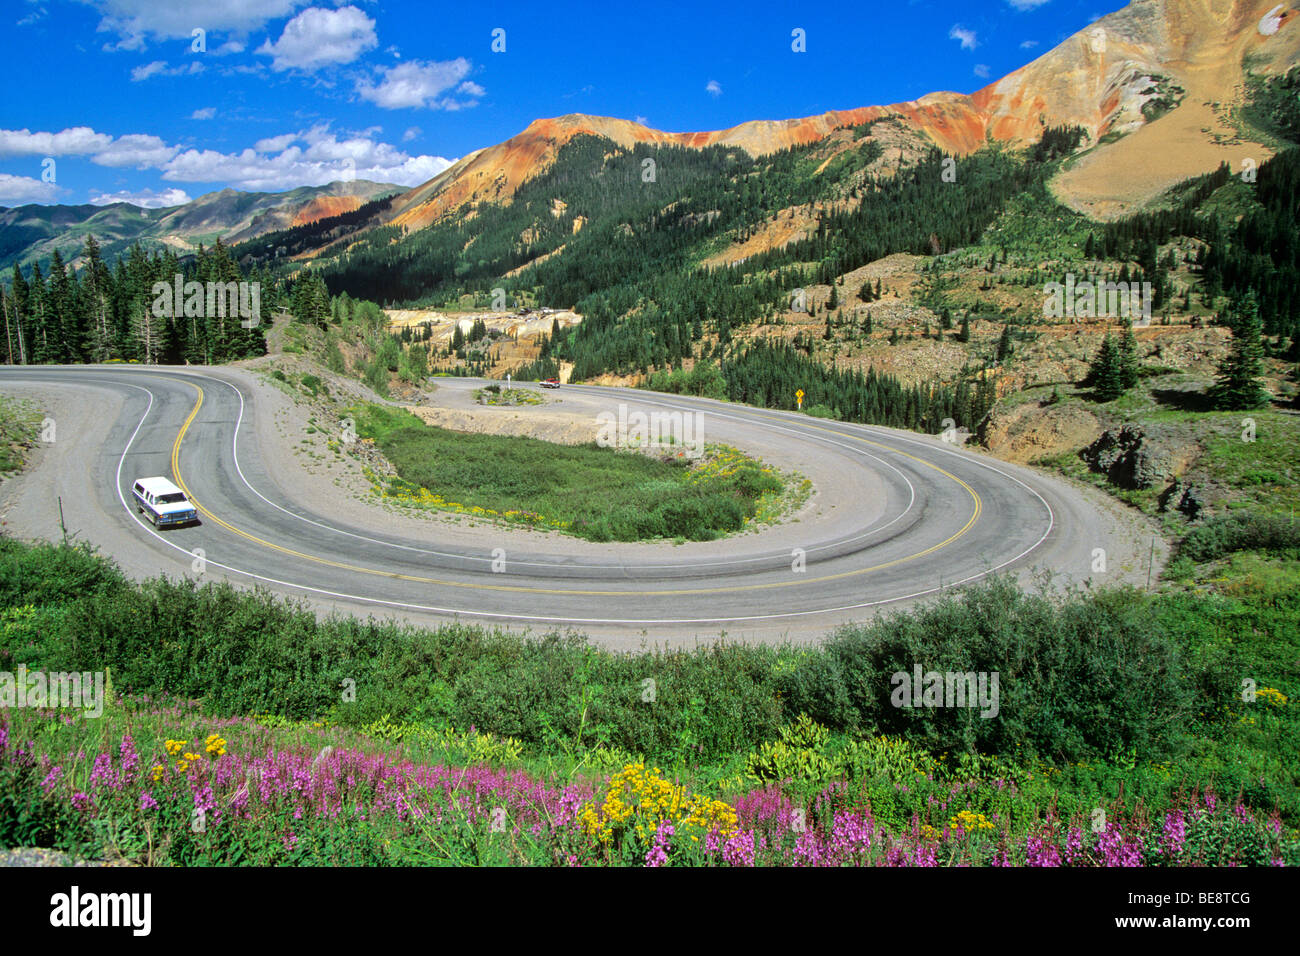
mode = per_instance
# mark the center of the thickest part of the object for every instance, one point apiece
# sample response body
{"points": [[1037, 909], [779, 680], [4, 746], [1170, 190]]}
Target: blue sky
{"points": [[121, 100]]}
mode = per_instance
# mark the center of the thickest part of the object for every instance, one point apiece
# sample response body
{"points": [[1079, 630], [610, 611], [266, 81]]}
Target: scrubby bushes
{"points": [[1094, 677], [1221, 536], [1089, 677]]}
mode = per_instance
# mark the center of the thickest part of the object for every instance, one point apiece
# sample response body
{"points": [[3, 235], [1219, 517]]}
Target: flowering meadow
{"points": [[1132, 729], [161, 784]]}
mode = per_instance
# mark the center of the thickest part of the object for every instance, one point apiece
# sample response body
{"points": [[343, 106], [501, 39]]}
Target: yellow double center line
{"points": [[180, 482]]}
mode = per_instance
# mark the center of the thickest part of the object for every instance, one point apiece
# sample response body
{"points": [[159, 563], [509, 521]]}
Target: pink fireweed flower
{"points": [[657, 855], [130, 759], [739, 849], [52, 778], [102, 772], [1174, 834], [1041, 851]]}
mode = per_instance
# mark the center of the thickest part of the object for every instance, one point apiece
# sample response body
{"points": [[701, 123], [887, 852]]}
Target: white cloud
{"points": [[160, 68], [967, 38], [75, 141], [145, 197], [204, 114], [713, 88], [31, 18], [641, 120], [318, 37], [325, 158], [1029, 44], [275, 144], [148, 70], [411, 133], [982, 70], [305, 158], [19, 190], [1023, 5], [133, 20], [141, 150], [418, 85]]}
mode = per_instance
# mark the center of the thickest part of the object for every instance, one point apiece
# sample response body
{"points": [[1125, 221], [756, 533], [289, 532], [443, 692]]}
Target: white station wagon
{"points": [[162, 502]]}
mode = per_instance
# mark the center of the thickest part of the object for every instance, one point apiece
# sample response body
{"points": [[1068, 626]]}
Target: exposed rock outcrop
{"points": [[1130, 458]]}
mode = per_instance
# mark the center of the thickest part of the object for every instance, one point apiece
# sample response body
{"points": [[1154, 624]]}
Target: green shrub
{"points": [[1221, 536], [1090, 677]]}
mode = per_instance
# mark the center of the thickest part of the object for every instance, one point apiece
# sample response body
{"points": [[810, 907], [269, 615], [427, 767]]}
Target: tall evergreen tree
{"points": [[18, 299], [44, 350], [1004, 344], [1128, 357], [95, 304], [1240, 386], [1106, 373]]}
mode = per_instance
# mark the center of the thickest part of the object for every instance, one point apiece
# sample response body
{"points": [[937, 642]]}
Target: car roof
{"points": [[158, 486]]}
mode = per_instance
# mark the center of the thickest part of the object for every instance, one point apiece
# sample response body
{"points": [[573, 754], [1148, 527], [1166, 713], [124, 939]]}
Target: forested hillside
{"points": [[640, 242], [104, 313]]}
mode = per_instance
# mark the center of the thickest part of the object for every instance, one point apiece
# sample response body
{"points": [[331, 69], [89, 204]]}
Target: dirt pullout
{"points": [[553, 425], [458, 410]]}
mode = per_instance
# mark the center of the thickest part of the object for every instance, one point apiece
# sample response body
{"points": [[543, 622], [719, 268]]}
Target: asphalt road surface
{"points": [[897, 517]]}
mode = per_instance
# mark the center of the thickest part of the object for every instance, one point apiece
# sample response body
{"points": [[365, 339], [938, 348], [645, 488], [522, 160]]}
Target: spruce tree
{"points": [[94, 304], [1106, 373], [1239, 386], [18, 309], [1004, 344], [1128, 357]]}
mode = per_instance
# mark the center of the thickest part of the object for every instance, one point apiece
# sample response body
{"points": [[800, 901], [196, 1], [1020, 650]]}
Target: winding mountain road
{"points": [[896, 517]]}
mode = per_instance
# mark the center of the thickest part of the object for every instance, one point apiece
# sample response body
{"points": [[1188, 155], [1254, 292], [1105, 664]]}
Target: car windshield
{"points": [[173, 499]]}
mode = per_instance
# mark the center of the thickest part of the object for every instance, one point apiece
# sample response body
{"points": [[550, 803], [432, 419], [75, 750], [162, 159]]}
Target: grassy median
{"points": [[595, 493]]}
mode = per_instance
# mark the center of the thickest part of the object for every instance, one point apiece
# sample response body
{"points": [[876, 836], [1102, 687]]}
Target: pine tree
{"points": [[148, 330], [1128, 357], [1004, 344], [65, 330], [43, 350], [1106, 372], [1239, 386], [18, 300], [94, 304], [964, 334]]}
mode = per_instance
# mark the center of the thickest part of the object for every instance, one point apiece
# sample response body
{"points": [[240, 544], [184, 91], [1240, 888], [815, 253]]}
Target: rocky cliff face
{"points": [[1154, 57]]}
